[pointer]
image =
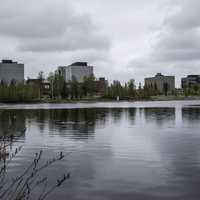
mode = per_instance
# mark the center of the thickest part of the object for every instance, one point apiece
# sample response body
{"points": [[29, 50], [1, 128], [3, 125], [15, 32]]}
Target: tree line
{"points": [[19, 93], [74, 90]]}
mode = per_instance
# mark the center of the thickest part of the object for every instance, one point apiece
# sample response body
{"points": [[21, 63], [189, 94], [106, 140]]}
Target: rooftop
{"points": [[79, 64], [6, 61], [159, 74], [193, 76]]}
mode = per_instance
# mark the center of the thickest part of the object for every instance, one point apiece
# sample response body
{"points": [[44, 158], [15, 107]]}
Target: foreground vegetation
{"points": [[31, 183]]}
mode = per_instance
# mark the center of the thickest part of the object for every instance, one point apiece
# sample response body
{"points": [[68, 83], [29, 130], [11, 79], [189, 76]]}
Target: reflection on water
{"points": [[11, 122], [117, 153], [191, 114], [116, 114], [159, 115]]}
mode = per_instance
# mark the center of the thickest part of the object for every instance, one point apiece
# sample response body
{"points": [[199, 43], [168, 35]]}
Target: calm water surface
{"points": [[143, 150]]}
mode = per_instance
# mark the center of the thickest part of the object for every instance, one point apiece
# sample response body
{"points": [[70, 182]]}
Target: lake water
{"points": [[141, 150]]}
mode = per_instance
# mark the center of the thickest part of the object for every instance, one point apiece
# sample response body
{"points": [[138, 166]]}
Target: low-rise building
{"points": [[190, 81], [11, 72], [44, 86], [76, 71], [101, 86], [163, 84]]}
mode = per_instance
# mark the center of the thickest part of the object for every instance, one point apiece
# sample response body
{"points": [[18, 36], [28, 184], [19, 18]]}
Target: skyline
{"points": [[90, 70], [132, 39]]}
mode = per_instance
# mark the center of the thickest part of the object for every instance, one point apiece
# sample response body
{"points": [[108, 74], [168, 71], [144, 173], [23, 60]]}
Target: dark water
{"points": [[118, 151]]}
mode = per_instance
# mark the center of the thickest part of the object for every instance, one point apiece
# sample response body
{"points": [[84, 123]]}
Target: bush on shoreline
{"points": [[19, 93]]}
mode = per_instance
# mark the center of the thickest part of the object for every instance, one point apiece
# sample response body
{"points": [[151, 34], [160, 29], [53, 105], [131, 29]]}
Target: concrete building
{"points": [[11, 72], [190, 81], [77, 71], [164, 84]]}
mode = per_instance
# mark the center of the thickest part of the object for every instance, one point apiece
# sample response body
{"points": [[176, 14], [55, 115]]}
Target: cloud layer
{"points": [[49, 26], [180, 40], [122, 39]]}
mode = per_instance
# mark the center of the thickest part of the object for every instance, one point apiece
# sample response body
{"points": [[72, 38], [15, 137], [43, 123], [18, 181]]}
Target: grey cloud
{"points": [[185, 40], [186, 17], [50, 26], [68, 42], [180, 36], [179, 55], [32, 21]]}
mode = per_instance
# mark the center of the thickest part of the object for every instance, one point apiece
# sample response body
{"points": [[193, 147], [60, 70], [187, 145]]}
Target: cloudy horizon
{"points": [[121, 39]]}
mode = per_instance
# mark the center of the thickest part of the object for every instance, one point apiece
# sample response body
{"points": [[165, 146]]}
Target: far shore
{"points": [[93, 100]]}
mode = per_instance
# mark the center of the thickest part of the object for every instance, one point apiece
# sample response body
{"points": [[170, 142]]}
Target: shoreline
{"points": [[101, 100]]}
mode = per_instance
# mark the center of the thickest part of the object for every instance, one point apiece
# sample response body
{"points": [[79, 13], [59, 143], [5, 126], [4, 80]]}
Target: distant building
{"points": [[190, 81], [11, 72], [76, 71], [101, 86], [44, 86], [164, 84]]}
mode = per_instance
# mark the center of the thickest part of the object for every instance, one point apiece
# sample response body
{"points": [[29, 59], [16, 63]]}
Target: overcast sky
{"points": [[123, 39]]}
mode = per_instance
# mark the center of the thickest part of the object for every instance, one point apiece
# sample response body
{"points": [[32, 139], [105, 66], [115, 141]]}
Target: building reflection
{"points": [[191, 114], [78, 123], [81, 123], [116, 114], [159, 115]]}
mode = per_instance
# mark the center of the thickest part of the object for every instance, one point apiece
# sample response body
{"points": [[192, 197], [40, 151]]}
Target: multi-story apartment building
{"points": [[164, 84], [76, 71], [11, 72], [190, 81]]}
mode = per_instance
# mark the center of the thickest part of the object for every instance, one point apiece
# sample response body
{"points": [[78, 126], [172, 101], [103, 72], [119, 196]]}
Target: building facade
{"points": [[76, 71], [101, 86], [163, 84], [44, 86], [11, 72], [190, 81]]}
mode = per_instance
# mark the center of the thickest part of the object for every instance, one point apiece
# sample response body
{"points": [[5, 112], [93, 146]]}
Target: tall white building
{"points": [[76, 71], [11, 72]]}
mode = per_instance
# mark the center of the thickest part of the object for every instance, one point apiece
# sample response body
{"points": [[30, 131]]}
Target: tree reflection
{"points": [[12, 127], [12, 122], [78, 123], [159, 115], [132, 115], [116, 114]]}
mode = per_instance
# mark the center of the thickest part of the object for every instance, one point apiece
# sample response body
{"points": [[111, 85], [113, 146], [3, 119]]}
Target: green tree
{"points": [[19, 93], [74, 87], [88, 86], [57, 84], [131, 88], [41, 76]]}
